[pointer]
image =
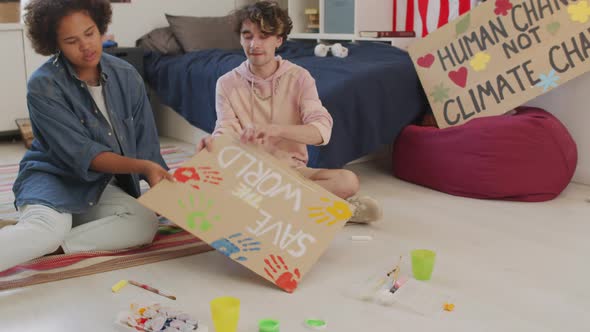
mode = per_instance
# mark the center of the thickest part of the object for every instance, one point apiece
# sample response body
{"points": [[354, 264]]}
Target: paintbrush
{"points": [[117, 287], [151, 289], [395, 270]]}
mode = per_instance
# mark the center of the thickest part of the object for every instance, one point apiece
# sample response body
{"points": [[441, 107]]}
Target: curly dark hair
{"points": [[43, 16], [267, 15]]}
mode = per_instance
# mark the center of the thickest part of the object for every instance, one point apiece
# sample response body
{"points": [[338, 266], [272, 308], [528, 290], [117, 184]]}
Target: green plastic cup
{"points": [[225, 312], [422, 263], [268, 325]]}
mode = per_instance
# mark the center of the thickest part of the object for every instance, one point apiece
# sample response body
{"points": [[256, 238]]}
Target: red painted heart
{"points": [[459, 76], [426, 61]]}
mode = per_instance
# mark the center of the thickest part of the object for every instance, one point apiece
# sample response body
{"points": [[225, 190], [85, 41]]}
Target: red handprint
{"points": [[287, 280], [191, 176], [502, 7]]}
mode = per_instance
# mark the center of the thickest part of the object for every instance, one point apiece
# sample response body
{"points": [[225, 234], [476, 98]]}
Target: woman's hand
{"points": [[154, 173]]}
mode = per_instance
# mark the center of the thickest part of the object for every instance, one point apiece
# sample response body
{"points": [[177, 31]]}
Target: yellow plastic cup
{"points": [[422, 263], [225, 312]]}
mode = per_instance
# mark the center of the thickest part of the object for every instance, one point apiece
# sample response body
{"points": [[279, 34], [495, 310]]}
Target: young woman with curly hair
{"points": [[95, 138]]}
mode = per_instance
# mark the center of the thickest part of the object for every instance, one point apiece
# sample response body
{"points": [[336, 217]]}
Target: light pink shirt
{"points": [[288, 97]]}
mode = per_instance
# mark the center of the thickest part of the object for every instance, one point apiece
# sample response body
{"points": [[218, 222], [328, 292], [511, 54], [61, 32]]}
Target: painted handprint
{"points": [[236, 244], [337, 211], [194, 176], [287, 279], [198, 213]]}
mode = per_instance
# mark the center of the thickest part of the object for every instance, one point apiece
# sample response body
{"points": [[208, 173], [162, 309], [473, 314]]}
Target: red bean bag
{"points": [[528, 156]]}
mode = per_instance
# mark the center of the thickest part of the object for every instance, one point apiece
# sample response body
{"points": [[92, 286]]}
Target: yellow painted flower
{"points": [[480, 61], [579, 12]]}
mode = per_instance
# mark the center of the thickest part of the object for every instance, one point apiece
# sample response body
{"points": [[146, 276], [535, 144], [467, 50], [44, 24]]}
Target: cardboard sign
{"points": [[251, 208], [500, 55]]}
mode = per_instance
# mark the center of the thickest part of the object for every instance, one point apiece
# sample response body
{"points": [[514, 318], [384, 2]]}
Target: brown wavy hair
{"points": [[270, 18], [43, 16]]}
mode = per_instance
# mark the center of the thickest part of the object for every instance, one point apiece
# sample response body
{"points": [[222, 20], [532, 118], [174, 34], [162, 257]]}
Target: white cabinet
{"points": [[13, 75], [361, 15]]}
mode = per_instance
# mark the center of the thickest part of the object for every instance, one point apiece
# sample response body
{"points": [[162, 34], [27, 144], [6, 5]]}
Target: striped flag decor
{"points": [[425, 16]]}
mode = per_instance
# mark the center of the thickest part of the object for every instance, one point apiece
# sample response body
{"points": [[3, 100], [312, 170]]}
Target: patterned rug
{"points": [[170, 242], [59, 267]]}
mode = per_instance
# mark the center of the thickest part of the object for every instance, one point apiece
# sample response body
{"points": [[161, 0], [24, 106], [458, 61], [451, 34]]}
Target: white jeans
{"points": [[118, 221]]}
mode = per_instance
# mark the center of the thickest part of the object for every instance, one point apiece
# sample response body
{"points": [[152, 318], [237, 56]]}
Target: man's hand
{"points": [[154, 173], [260, 133], [205, 142]]}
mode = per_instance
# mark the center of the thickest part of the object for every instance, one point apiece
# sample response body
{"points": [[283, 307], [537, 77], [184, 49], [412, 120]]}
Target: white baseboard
{"points": [[173, 125], [383, 153]]}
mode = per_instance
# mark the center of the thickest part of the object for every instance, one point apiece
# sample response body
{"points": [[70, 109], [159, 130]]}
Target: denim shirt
{"points": [[70, 132]]}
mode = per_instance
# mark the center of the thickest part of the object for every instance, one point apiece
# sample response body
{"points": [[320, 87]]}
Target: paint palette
{"points": [[155, 317]]}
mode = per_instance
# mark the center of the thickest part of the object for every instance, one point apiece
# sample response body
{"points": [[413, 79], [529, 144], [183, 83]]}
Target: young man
{"points": [[274, 103]]}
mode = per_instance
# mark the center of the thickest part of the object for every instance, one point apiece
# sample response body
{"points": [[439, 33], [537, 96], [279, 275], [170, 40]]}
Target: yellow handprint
{"points": [[480, 61], [579, 12], [337, 212]]}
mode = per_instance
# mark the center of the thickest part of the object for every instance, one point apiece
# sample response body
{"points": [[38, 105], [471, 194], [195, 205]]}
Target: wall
{"points": [[374, 15], [132, 20], [568, 103]]}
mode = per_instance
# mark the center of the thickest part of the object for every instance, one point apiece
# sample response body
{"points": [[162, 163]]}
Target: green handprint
{"points": [[198, 214]]}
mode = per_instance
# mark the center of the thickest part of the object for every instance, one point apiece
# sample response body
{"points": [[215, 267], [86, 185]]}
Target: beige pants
{"points": [[118, 221]]}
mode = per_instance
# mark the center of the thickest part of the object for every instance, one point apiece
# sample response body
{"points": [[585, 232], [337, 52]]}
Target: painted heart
{"points": [[459, 76], [553, 28], [426, 61]]}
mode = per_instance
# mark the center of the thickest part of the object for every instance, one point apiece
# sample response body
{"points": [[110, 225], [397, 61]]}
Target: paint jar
{"points": [[268, 325], [316, 324], [422, 263], [225, 312]]}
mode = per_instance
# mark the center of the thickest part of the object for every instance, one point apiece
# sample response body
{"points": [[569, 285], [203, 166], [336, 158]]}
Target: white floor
{"points": [[508, 267]]}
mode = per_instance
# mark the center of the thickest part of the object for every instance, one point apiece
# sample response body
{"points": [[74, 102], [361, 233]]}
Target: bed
{"points": [[372, 94]]}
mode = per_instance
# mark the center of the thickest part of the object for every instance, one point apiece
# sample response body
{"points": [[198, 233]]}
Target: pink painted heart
{"points": [[459, 76], [425, 61]]}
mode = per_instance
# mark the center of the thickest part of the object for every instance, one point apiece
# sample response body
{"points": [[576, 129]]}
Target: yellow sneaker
{"points": [[366, 209]]}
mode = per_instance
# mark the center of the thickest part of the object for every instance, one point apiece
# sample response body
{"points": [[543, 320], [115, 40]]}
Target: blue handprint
{"points": [[233, 245]]}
